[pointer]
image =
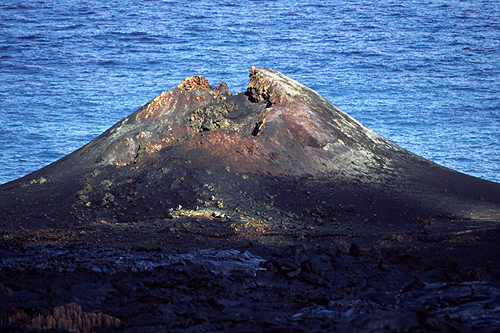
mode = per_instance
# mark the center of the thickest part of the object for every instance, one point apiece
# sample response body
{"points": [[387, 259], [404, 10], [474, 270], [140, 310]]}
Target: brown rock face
{"points": [[277, 162]]}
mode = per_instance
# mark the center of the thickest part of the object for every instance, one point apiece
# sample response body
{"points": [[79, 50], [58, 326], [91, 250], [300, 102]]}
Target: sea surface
{"points": [[425, 74]]}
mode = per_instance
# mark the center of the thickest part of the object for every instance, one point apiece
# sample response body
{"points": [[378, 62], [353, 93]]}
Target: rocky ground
{"points": [[258, 288]]}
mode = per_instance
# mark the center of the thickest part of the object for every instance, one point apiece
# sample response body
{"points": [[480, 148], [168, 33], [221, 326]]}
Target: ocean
{"points": [[425, 74]]}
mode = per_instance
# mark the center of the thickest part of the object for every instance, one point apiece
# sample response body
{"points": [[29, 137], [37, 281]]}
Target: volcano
{"points": [[201, 167], [266, 210]]}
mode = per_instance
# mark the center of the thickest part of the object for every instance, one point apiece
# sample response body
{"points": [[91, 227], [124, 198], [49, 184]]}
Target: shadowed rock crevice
{"points": [[213, 117]]}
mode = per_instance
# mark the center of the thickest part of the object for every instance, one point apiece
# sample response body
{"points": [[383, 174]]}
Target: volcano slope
{"points": [[201, 167]]}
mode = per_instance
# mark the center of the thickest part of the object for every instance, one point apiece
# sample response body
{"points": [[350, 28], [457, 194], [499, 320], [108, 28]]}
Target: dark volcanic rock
{"points": [[290, 289], [198, 168]]}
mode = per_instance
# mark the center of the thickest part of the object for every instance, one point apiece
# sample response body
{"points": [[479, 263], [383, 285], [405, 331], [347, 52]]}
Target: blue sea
{"points": [[425, 74]]}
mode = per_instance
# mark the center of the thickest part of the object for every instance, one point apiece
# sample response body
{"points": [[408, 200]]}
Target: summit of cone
{"points": [[277, 126]]}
